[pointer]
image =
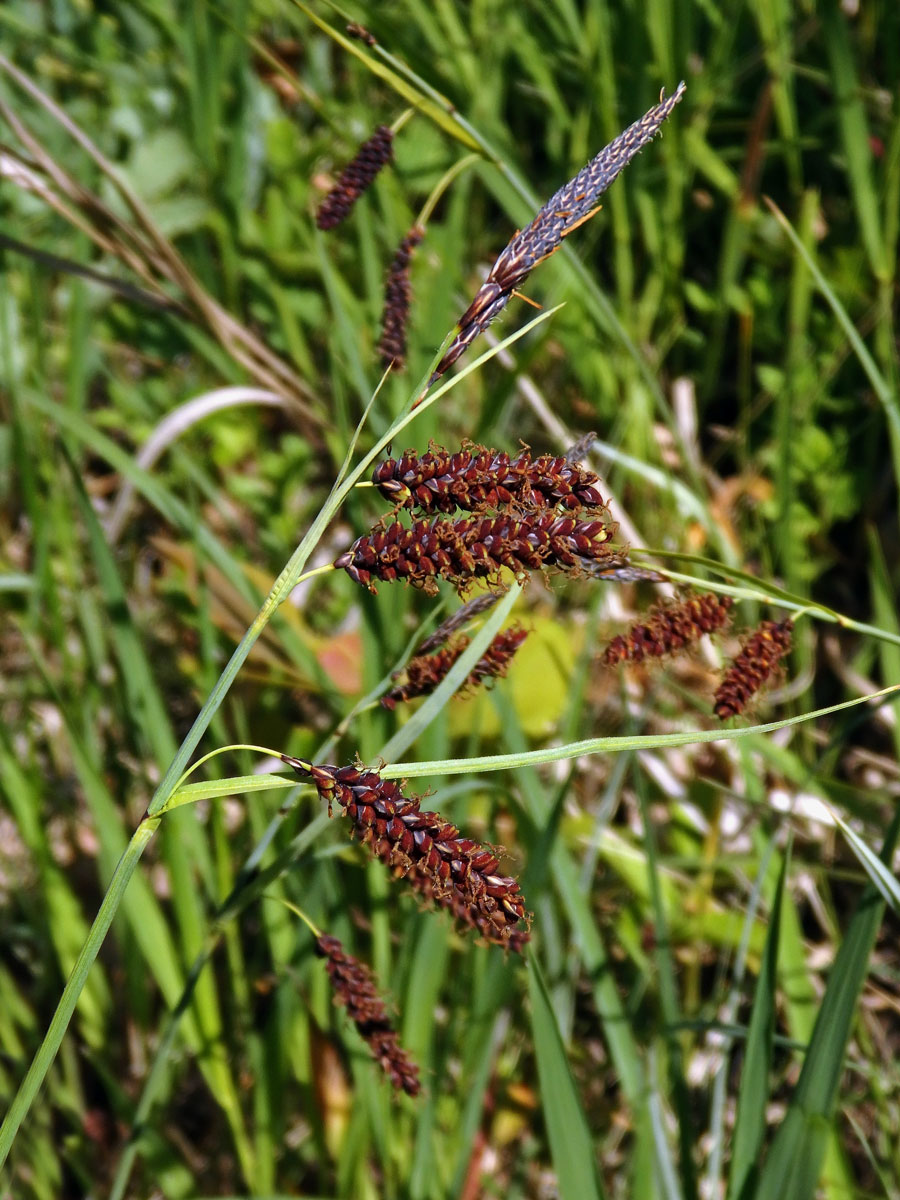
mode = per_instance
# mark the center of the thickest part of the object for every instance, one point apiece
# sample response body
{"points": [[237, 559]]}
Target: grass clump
{"points": [[190, 373]]}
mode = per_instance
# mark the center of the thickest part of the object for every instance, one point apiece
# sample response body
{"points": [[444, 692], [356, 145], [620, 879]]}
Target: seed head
{"points": [[670, 628], [425, 671], [394, 319], [472, 608], [759, 657], [360, 33], [355, 987], [448, 869], [566, 209], [479, 479], [462, 550], [356, 177]]}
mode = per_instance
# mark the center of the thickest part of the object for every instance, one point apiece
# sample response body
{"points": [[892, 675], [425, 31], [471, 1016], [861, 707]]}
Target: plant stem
{"points": [[40, 1064]]}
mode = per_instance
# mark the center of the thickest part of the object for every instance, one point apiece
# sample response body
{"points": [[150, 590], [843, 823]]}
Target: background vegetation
{"points": [[738, 361]]}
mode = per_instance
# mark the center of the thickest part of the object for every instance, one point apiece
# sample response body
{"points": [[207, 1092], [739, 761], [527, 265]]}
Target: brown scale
{"points": [[356, 178], [425, 671], [460, 551], [356, 989], [476, 479], [395, 317], [670, 628], [759, 657], [450, 870], [360, 33]]}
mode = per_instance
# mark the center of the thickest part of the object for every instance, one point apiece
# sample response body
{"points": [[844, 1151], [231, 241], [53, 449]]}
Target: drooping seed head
{"points": [[670, 628], [360, 33], [463, 550], [356, 989], [759, 657], [472, 608], [356, 177], [395, 317], [424, 672], [447, 868]]}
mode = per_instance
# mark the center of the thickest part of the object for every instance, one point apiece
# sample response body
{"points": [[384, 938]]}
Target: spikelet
{"points": [[356, 989], [450, 870], [394, 319], [478, 479], [360, 34], [425, 671], [472, 608], [759, 657], [463, 550], [670, 628], [568, 208], [356, 177]]}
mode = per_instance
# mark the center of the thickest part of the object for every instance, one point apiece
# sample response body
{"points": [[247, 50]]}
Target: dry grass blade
{"points": [[144, 249]]}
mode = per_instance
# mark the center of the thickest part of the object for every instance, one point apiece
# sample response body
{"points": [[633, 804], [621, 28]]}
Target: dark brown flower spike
{"points": [[360, 33], [355, 987], [479, 479], [670, 628], [424, 672], [448, 869], [356, 177], [472, 608], [460, 551], [759, 657], [394, 319], [568, 208]]}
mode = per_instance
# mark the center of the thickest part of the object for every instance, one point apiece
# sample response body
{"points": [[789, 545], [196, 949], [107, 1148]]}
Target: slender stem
{"points": [[758, 589], [298, 912], [606, 745], [281, 589], [221, 750], [401, 120], [442, 184], [40, 1064]]}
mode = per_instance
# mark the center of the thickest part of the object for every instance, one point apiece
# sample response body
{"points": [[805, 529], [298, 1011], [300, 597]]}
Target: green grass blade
{"points": [[611, 745], [795, 1160], [753, 1096], [855, 137], [567, 1129], [40, 1064], [883, 389]]}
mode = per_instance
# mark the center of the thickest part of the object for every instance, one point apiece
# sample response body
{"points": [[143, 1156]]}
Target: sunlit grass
{"points": [[678, 1026]]}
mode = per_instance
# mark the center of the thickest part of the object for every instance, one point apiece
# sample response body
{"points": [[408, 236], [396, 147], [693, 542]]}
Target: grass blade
{"points": [[567, 1128], [795, 1160], [750, 1122]]}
